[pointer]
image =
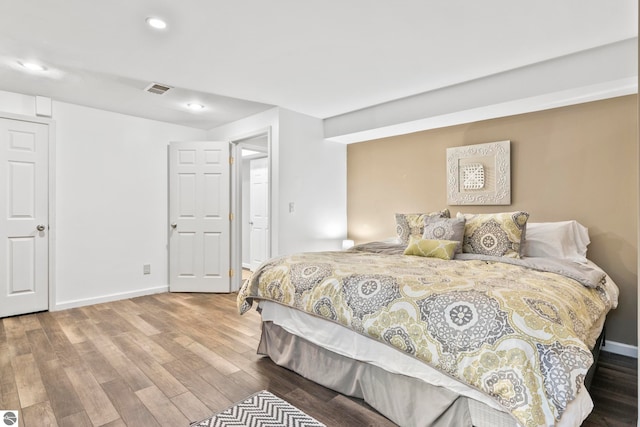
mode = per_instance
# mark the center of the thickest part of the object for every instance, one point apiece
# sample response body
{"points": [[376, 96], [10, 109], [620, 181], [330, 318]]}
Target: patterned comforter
{"points": [[519, 335]]}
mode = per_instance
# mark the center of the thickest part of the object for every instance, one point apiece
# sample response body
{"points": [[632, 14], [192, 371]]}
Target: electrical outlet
{"points": [[146, 269], [292, 207]]}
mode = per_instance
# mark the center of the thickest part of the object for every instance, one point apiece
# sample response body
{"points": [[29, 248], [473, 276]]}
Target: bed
{"points": [[473, 325]]}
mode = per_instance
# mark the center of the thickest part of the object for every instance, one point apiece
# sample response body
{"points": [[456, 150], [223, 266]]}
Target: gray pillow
{"points": [[413, 224], [444, 229]]}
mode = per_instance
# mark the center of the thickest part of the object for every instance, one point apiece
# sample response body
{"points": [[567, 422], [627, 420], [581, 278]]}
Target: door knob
{"points": [[174, 225], [40, 227]]}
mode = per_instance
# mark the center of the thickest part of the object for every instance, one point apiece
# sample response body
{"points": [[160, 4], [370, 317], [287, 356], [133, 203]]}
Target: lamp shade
{"points": [[347, 244]]}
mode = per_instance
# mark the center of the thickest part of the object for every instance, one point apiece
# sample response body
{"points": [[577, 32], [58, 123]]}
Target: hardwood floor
{"points": [[171, 359], [614, 392]]}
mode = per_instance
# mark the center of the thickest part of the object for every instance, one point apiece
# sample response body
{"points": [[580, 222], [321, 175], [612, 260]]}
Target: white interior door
{"points": [[199, 207], [24, 252], [259, 211]]}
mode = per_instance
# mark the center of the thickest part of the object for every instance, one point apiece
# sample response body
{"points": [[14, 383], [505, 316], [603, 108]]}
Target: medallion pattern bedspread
{"points": [[517, 334]]}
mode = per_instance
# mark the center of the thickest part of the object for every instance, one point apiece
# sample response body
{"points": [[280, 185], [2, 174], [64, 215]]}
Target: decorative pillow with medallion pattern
{"points": [[413, 224], [499, 234]]}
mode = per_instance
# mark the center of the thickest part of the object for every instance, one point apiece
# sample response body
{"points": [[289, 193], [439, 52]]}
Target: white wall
{"points": [[17, 103], [111, 201], [313, 175], [305, 170]]}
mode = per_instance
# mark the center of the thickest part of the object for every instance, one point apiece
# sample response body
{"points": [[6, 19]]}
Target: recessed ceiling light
{"points": [[195, 107], [156, 23], [33, 66]]}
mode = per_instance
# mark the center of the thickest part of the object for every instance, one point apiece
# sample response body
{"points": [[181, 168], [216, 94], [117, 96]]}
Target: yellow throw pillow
{"points": [[443, 249]]}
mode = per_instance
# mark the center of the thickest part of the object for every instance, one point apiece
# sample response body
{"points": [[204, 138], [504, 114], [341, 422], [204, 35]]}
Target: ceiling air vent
{"points": [[157, 88]]}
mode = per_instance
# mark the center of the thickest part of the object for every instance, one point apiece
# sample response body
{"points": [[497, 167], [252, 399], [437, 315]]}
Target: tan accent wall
{"points": [[578, 162]]}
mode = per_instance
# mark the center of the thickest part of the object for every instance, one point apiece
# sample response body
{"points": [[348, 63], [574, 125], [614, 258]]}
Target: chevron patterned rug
{"points": [[260, 410]]}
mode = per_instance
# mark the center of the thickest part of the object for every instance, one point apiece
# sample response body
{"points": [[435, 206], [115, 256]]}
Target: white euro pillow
{"points": [[564, 239]]}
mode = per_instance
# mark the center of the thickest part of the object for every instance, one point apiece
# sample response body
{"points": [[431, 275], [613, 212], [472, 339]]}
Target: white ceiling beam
{"points": [[599, 73]]}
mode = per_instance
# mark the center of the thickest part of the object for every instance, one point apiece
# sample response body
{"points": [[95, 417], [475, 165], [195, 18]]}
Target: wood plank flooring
{"points": [[614, 392], [171, 359]]}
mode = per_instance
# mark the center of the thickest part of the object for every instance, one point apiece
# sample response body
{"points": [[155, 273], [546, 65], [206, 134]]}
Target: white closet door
{"points": [[24, 218]]}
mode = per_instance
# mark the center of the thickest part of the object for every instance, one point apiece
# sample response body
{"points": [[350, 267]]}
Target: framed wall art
{"points": [[479, 174]]}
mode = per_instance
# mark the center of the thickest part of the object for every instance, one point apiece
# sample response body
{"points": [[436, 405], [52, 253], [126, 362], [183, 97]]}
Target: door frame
{"points": [[237, 144], [51, 175]]}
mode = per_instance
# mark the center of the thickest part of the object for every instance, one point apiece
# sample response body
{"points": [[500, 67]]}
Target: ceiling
{"points": [[320, 58]]}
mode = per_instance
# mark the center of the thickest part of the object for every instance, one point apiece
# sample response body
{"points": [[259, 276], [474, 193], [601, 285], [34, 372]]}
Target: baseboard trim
{"points": [[108, 298], [620, 348]]}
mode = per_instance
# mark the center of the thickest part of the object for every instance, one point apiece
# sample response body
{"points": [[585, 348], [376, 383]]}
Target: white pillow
{"points": [[565, 240]]}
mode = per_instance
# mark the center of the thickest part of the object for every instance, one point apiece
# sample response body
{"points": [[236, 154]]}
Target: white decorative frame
{"points": [[495, 157]]}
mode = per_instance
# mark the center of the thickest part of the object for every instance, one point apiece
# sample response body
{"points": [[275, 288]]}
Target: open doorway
{"points": [[251, 189]]}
